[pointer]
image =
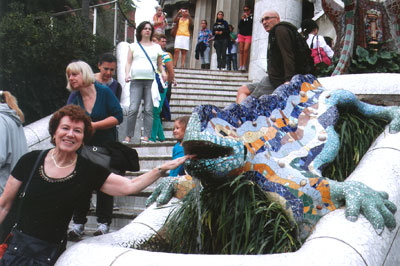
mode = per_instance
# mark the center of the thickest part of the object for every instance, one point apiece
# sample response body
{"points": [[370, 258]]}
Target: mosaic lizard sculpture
{"points": [[281, 142], [364, 23]]}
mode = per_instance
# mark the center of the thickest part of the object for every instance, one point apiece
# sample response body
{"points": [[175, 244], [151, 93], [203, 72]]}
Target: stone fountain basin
{"points": [[334, 240]]}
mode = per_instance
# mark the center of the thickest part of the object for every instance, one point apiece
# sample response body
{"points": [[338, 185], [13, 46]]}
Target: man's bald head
{"points": [[269, 19]]}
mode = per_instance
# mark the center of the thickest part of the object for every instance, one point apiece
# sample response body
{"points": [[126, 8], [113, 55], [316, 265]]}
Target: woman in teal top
{"points": [[104, 109], [106, 105]]}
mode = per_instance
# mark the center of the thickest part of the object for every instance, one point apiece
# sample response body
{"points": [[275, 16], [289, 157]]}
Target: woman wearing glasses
{"points": [[244, 36]]}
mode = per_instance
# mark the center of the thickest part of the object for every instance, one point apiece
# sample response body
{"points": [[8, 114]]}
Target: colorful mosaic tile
{"points": [[280, 141]]}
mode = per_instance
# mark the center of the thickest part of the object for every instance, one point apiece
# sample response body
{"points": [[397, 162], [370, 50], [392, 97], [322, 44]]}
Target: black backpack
{"points": [[304, 60]]}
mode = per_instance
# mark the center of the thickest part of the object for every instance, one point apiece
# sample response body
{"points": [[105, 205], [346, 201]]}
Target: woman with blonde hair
{"points": [[104, 109], [12, 141]]}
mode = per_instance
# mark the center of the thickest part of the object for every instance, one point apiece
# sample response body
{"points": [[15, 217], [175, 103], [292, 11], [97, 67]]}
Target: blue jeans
{"points": [[231, 58], [205, 59]]}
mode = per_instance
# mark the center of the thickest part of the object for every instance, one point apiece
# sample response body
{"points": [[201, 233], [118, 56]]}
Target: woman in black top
{"points": [[221, 37], [62, 180]]}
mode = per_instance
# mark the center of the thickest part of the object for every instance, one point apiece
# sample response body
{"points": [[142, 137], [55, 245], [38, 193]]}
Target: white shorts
{"points": [[182, 42]]}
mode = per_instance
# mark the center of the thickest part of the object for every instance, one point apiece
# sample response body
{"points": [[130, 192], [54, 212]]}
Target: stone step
{"points": [[219, 83], [229, 77], [206, 90], [207, 72], [195, 102], [188, 109], [177, 114], [156, 150], [152, 161], [176, 97]]}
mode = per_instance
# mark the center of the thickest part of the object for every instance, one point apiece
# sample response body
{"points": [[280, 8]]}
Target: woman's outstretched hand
{"points": [[175, 163]]}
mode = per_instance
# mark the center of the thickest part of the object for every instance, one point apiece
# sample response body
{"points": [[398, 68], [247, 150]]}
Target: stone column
{"points": [[204, 10], [289, 10]]}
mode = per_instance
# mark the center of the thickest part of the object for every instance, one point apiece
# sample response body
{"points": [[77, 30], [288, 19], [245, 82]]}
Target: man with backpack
{"points": [[288, 55]]}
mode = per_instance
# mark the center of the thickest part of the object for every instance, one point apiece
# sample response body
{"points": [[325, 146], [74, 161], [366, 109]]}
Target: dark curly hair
{"points": [[307, 26], [141, 27], [76, 113]]}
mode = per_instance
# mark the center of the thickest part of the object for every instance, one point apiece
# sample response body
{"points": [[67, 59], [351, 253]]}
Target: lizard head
{"points": [[218, 152]]}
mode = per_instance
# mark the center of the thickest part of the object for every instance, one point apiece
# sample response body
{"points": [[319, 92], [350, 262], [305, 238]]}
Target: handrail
{"points": [[77, 9]]}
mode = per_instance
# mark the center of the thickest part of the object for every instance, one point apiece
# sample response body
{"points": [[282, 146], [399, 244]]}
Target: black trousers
{"points": [[220, 49], [104, 209]]}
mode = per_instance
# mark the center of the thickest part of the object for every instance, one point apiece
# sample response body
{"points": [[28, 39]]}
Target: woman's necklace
{"points": [[61, 167]]}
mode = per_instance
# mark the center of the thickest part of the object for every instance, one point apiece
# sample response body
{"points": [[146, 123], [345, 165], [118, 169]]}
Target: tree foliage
{"points": [[34, 52]]}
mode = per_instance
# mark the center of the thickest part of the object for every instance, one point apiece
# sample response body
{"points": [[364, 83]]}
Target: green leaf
{"points": [[372, 59], [384, 54], [362, 53], [391, 66]]}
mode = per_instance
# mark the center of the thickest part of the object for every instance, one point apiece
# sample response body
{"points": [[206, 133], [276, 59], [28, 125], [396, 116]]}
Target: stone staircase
{"points": [[195, 87]]}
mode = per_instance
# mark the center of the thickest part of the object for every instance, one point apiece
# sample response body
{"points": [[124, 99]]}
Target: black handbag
{"points": [[27, 250], [113, 156], [24, 249]]}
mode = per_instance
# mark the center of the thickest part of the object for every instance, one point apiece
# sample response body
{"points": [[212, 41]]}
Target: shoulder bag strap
{"points": [[318, 51], [147, 57], [22, 194], [312, 42]]}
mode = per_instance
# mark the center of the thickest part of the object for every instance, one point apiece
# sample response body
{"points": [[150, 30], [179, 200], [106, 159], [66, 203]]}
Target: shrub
{"points": [[372, 61]]}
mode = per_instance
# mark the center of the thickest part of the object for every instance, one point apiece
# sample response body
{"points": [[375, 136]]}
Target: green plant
{"points": [[323, 70], [356, 134], [236, 218], [372, 61]]}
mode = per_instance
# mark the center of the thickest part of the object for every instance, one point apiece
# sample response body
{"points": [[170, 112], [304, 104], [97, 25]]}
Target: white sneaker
{"points": [[102, 229], [76, 232]]}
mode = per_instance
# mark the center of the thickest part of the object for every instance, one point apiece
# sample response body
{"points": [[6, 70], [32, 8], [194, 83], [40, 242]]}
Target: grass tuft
{"points": [[356, 133], [236, 218]]}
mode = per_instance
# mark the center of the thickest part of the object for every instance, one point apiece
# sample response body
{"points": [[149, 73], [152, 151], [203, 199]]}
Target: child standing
{"points": [[179, 132], [231, 50]]}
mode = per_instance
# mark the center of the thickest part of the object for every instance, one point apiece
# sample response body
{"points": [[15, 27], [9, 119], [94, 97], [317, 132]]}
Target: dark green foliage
{"points": [[236, 218], [370, 61], [34, 52], [356, 134]]}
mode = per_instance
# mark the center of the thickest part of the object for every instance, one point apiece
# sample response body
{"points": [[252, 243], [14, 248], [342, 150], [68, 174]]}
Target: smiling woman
{"points": [[62, 179]]}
